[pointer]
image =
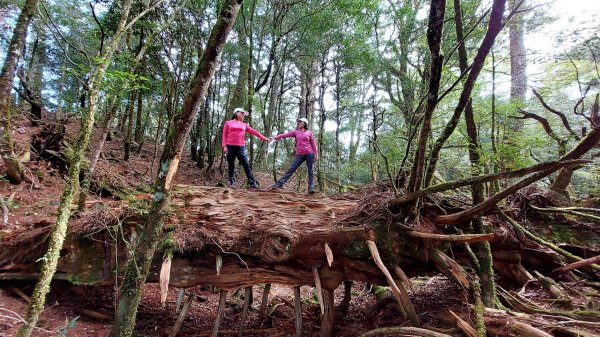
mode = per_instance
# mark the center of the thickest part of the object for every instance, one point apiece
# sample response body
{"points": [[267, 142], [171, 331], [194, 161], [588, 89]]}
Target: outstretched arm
{"points": [[284, 135], [251, 131]]}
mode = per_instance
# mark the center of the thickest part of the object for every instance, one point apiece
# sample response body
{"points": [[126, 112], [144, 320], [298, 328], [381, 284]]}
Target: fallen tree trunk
{"points": [[240, 238]]}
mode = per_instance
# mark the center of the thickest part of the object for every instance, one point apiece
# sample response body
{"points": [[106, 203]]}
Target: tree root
{"points": [[541, 241], [568, 211], [405, 331], [408, 310]]}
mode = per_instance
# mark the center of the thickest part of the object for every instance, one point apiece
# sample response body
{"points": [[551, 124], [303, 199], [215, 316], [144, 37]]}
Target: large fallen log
{"points": [[258, 237], [239, 238]]}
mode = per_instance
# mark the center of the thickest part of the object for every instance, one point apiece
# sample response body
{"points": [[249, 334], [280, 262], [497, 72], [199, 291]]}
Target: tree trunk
{"points": [[518, 60], [494, 27], [434, 38], [139, 130], [484, 253], [89, 173], [322, 118], [15, 171], [338, 122], [59, 230], [139, 266], [130, 115]]}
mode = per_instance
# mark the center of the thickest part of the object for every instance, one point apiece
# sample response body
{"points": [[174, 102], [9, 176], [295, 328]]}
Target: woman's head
{"points": [[239, 114], [302, 123]]}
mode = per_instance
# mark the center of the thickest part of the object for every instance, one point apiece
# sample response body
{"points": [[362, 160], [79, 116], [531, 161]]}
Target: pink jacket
{"points": [[305, 141], [234, 133]]}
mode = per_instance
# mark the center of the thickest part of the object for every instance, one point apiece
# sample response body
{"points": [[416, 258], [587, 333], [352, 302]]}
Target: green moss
{"points": [[379, 292]]}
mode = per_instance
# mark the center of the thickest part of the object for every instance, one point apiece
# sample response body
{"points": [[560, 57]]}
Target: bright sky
{"points": [[580, 15]]}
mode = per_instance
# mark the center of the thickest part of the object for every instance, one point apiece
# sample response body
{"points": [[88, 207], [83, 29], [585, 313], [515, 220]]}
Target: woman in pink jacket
{"points": [[233, 142], [306, 150]]}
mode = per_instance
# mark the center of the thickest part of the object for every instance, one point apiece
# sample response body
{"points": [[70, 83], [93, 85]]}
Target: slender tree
{"points": [[486, 271], [15, 171], [58, 233], [139, 266]]}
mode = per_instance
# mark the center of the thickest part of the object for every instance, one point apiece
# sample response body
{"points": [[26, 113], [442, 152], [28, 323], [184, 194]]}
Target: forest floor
{"points": [[88, 311]]}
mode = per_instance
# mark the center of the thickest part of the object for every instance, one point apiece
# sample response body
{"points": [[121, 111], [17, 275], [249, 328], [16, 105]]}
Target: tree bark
{"points": [[484, 252], [15, 171], [139, 266], [59, 230], [518, 60], [586, 144], [494, 27], [434, 38]]}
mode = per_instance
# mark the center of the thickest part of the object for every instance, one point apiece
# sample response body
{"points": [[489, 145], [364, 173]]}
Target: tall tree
{"points": [[15, 171], [58, 233], [494, 27], [139, 266], [518, 56], [486, 272]]}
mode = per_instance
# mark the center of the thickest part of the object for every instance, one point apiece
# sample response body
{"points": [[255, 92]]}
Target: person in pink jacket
{"points": [[306, 150], [233, 142]]}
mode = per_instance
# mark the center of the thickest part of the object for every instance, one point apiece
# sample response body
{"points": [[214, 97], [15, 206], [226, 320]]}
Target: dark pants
{"points": [[298, 160], [239, 152]]}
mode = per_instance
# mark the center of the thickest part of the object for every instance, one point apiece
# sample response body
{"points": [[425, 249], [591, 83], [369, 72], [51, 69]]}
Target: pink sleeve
{"points": [[312, 143], [250, 130], [284, 135], [224, 136]]}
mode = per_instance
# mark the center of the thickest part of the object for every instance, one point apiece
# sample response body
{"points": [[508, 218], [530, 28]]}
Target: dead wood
{"points": [[247, 300], [464, 326], [578, 264], [404, 331], [482, 179], [541, 241], [181, 317], [567, 210], [587, 143], [220, 309], [465, 238], [551, 287], [263, 304], [298, 311], [264, 237], [408, 310]]}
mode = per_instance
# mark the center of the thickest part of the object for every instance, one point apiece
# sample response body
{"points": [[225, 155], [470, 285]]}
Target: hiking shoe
{"points": [[311, 192], [275, 188]]}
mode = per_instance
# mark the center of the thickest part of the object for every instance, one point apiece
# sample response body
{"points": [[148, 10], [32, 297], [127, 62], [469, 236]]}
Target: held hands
{"points": [[268, 140]]}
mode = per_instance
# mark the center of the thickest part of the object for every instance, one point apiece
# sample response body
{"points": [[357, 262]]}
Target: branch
{"points": [[483, 179], [544, 122], [566, 211], [102, 34], [587, 143], [144, 12], [578, 264], [452, 237], [562, 116], [541, 241], [52, 25], [404, 331]]}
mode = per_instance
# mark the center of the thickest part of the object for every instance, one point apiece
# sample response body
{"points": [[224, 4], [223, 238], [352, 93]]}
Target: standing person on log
{"points": [[306, 150], [233, 142]]}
